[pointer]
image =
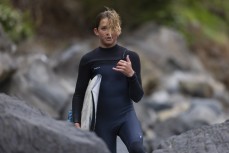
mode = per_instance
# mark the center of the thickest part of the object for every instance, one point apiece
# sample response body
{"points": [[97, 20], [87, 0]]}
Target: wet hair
{"points": [[113, 18]]}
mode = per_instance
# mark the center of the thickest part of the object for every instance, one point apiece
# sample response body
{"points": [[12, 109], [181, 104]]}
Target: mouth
{"points": [[108, 38]]}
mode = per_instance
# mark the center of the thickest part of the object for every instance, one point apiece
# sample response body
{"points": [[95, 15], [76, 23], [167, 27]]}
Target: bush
{"points": [[15, 23], [133, 13], [202, 18]]}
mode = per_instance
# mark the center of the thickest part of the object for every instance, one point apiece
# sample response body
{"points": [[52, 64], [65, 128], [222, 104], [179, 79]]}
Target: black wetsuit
{"points": [[115, 112]]}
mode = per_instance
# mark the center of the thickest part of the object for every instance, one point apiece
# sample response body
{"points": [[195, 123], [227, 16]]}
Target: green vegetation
{"points": [[202, 19], [133, 13], [197, 19], [15, 23]]}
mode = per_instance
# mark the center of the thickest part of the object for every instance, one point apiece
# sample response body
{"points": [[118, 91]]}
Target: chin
{"points": [[108, 44]]}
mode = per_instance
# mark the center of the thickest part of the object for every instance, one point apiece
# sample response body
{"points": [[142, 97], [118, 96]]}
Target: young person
{"points": [[120, 85]]}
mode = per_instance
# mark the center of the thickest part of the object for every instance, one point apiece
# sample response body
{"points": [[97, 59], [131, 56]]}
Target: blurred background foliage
{"points": [[202, 19], [133, 13], [196, 19], [16, 24]]}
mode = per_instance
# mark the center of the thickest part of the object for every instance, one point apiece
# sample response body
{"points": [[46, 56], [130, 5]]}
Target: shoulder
{"points": [[133, 55], [129, 52], [88, 56]]}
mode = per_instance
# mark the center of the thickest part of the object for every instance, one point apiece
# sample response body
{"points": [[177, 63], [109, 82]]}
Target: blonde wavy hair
{"points": [[113, 18]]}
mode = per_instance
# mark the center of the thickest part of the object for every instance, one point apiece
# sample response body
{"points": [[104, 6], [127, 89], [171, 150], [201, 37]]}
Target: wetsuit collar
{"points": [[114, 48]]}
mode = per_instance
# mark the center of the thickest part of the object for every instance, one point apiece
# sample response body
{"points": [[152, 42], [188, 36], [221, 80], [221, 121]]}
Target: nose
{"points": [[108, 33]]}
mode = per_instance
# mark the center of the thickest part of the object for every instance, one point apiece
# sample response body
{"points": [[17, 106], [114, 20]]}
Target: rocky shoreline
{"points": [[180, 93]]}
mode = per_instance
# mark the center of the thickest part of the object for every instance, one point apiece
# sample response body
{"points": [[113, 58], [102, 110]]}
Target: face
{"points": [[107, 37]]}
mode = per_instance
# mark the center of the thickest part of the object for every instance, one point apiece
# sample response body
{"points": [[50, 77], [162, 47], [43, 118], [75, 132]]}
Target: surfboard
{"points": [[89, 109]]}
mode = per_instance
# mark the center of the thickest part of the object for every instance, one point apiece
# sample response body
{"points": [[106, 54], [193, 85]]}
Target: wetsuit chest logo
{"points": [[96, 68]]}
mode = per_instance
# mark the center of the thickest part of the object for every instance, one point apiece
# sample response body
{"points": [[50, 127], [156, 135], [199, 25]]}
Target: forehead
{"points": [[104, 22]]}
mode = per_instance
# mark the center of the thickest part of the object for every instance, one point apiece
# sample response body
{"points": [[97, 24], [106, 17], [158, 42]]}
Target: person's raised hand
{"points": [[125, 67]]}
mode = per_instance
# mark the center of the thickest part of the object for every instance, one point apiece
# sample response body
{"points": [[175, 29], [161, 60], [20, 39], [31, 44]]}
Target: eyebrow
{"points": [[103, 26]]}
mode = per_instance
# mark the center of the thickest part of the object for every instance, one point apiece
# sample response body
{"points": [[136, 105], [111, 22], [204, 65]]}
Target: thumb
{"points": [[128, 58]]}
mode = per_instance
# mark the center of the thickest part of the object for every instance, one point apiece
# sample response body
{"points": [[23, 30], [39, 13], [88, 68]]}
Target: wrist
{"points": [[131, 74], [132, 78]]}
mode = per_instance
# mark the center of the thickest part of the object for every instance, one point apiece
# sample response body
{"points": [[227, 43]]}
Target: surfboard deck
{"points": [[89, 109]]}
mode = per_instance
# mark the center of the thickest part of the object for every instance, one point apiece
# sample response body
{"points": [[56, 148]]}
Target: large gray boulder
{"points": [[165, 47], [25, 129], [38, 85], [206, 139]]}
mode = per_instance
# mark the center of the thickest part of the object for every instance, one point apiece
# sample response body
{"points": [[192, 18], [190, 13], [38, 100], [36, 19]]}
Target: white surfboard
{"points": [[88, 113]]}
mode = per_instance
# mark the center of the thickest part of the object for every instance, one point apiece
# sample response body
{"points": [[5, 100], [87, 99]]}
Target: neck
{"points": [[107, 46], [114, 47]]}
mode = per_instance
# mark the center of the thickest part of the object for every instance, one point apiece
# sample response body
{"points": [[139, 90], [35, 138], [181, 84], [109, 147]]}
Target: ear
{"points": [[96, 31]]}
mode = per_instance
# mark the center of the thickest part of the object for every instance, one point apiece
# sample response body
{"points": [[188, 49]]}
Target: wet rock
{"points": [[214, 56], [196, 89], [159, 101], [206, 139], [193, 84], [121, 148], [171, 127], [167, 105], [66, 62], [38, 85], [207, 110], [150, 74], [166, 48], [26, 129]]}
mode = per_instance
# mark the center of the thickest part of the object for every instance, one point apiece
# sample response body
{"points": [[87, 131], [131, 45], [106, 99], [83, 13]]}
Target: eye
{"points": [[103, 28]]}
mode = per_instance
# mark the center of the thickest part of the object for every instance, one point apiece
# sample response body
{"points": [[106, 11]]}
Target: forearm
{"points": [[135, 88], [77, 103], [80, 88]]}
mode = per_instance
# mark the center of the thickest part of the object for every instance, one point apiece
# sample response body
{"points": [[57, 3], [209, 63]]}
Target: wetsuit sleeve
{"points": [[80, 89], [135, 83]]}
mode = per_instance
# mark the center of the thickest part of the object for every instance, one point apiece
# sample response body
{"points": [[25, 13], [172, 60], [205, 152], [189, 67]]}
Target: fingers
{"points": [[77, 125], [128, 58], [121, 62], [124, 66], [121, 65], [119, 68]]}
